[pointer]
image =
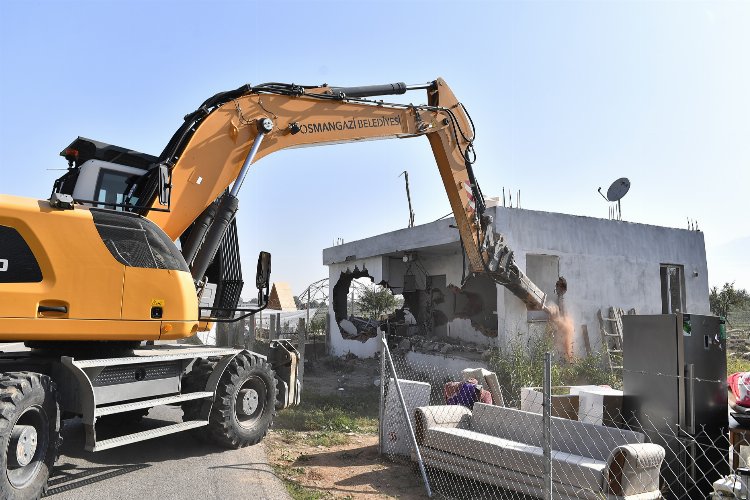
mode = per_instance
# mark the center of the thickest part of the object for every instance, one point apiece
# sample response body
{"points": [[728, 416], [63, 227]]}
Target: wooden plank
{"points": [[586, 342]]}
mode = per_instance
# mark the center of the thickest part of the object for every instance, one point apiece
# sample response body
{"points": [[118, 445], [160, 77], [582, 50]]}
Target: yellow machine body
{"points": [[84, 292]]}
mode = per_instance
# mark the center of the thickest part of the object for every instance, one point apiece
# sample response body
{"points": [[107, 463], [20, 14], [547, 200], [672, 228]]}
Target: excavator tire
{"points": [[29, 434], [245, 403]]}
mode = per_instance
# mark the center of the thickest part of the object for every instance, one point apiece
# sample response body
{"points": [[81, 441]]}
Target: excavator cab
{"points": [[106, 176], [103, 175]]}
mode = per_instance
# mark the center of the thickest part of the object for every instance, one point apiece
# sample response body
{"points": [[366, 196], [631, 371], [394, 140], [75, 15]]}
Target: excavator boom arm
{"points": [[207, 159], [213, 157], [235, 129]]}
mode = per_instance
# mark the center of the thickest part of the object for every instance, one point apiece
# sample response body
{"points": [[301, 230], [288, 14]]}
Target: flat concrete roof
{"points": [[440, 237]]}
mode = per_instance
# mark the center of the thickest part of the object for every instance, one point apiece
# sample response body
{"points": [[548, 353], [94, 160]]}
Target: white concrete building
{"points": [[606, 263]]}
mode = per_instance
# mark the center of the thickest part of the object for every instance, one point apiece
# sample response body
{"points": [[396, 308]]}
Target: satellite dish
{"points": [[618, 189]]}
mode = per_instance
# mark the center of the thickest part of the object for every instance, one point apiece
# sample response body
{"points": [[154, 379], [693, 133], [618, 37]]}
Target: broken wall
{"points": [[431, 289], [606, 263], [339, 343]]}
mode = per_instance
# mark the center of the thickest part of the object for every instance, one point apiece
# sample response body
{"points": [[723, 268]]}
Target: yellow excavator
{"points": [[132, 247]]}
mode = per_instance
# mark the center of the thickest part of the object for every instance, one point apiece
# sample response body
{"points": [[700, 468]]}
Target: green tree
{"points": [[318, 324], [728, 298], [375, 300]]}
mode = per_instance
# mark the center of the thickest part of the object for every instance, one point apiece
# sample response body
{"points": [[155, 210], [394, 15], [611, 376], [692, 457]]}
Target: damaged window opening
{"points": [[429, 308], [435, 308], [446, 319]]}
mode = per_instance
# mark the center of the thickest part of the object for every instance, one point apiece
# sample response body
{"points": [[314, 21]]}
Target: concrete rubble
{"points": [[441, 345]]}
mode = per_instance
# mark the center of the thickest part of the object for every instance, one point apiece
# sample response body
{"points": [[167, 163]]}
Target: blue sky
{"points": [[566, 97]]}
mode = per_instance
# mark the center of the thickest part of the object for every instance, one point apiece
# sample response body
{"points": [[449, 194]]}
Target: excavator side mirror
{"points": [[164, 185], [263, 274]]}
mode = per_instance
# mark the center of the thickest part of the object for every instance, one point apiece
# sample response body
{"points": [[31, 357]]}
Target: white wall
{"points": [[606, 263]]}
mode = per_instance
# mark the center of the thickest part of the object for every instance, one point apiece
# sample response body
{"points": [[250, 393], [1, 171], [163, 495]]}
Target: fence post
{"points": [[547, 409], [303, 340], [238, 334], [302, 334], [250, 336], [381, 413], [223, 335], [397, 384], [260, 324]]}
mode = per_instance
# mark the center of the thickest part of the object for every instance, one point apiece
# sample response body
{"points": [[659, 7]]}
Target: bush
{"points": [[522, 365]]}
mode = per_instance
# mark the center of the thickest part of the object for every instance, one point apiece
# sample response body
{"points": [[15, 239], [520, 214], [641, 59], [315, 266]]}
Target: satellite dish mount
{"points": [[616, 191]]}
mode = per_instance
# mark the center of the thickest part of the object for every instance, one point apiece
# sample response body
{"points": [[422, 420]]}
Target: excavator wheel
{"points": [[29, 434], [245, 403]]}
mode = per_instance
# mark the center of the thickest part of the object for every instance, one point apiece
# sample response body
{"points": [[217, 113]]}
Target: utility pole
{"points": [[303, 342], [250, 336], [408, 197]]}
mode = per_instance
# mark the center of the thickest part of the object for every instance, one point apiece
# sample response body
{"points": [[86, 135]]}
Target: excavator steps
{"points": [[150, 377], [150, 403], [106, 444], [146, 354]]}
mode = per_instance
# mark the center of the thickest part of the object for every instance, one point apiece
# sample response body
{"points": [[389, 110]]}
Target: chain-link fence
{"points": [[256, 331], [738, 325], [478, 440]]}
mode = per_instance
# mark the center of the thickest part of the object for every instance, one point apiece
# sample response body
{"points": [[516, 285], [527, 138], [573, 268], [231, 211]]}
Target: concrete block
{"points": [[394, 435], [564, 404], [601, 406]]}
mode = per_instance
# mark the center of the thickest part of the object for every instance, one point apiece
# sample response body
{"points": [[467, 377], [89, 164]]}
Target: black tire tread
{"points": [[221, 425], [14, 388]]}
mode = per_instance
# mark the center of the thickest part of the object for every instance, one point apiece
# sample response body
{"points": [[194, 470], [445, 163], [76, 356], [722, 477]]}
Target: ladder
{"points": [[610, 327]]}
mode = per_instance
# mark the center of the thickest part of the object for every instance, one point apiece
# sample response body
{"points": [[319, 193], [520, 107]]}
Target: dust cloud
{"points": [[563, 335]]}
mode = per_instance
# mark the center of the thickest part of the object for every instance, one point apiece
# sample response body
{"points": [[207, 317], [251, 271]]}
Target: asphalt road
{"points": [[171, 467]]}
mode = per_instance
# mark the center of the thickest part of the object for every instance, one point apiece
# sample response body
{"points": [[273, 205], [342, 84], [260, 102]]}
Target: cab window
{"points": [[111, 187]]}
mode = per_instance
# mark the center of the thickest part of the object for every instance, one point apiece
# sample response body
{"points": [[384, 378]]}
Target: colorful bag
{"points": [[740, 385]]}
